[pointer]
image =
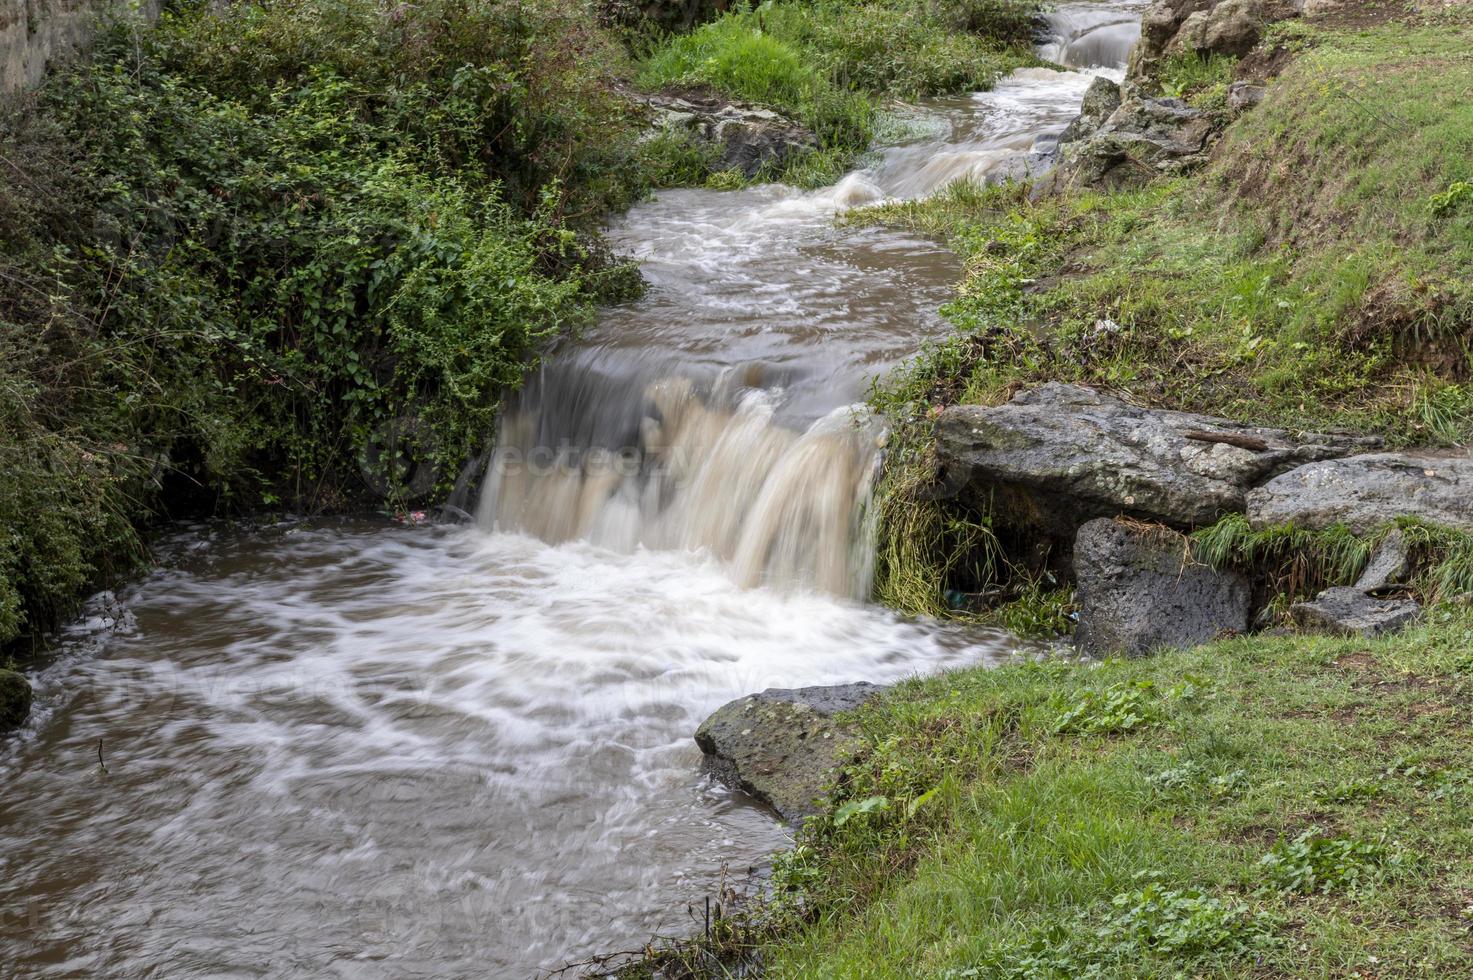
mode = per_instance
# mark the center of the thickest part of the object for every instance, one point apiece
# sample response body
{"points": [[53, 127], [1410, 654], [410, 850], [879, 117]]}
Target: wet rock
{"points": [[748, 137], [1389, 563], [1141, 140], [784, 747], [1366, 492], [1101, 100], [1243, 96], [1060, 455], [1352, 611], [1140, 591], [15, 700]]}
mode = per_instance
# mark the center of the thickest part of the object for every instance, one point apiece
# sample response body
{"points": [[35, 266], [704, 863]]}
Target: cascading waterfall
{"points": [[687, 422]]}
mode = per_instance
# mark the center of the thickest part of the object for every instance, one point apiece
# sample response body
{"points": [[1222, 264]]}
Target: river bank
{"points": [[1269, 805]]}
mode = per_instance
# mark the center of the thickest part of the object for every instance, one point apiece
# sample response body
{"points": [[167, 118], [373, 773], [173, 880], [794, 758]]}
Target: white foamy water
{"points": [[363, 750]]}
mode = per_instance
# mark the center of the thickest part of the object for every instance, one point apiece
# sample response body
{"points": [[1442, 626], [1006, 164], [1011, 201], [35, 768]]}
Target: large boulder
{"points": [[1139, 591], [1060, 455], [1204, 27], [1365, 492], [746, 137], [784, 747], [1141, 140], [15, 700], [1354, 611]]}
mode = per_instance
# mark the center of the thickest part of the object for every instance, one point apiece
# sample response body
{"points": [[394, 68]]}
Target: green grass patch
{"points": [[830, 64], [1273, 807]]}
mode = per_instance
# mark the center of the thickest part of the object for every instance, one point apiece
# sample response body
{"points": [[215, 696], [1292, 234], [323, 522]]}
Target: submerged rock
{"points": [[784, 747], [1353, 611], [1060, 455], [15, 700], [1365, 492], [1140, 591], [748, 137]]}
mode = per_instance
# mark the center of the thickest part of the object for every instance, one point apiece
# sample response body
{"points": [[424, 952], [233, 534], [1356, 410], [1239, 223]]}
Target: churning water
{"points": [[362, 750]]}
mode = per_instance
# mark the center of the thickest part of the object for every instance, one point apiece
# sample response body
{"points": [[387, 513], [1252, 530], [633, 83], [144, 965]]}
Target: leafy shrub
{"points": [[1311, 863], [1118, 709], [1181, 923], [287, 253]]}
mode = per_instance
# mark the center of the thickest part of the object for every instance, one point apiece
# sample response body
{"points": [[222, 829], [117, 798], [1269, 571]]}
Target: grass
{"points": [[1313, 277], [1267, 807], [831, 64]]}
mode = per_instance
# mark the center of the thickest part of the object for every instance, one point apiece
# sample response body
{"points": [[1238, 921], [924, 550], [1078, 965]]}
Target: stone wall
{"points": [[35, 33]]}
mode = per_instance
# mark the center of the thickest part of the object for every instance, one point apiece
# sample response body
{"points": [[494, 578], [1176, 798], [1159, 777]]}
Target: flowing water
{"points": [[364, 750]]}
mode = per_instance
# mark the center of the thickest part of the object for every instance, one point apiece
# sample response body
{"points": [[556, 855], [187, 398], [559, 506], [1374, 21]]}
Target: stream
{"points": [[358, 749]]}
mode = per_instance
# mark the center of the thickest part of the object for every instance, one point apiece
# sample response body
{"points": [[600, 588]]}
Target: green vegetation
{"points": [[826, 63], [287, 254], [1273, 807], [1314, 277]]}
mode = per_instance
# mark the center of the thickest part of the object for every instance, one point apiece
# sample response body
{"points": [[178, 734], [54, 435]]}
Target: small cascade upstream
{"points": [[360, 749]]}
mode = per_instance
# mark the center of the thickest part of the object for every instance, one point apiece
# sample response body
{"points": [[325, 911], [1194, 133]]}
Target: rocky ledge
{"points": [[1060, 455], [1113, 489], [784, 748]]}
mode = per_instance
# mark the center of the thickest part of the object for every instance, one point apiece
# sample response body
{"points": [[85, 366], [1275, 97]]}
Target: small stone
{"points": [[1243, 96], [1350, 611], [1388, 565]]}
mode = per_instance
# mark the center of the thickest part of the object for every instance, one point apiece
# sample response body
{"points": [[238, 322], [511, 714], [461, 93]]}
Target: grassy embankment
{"points": [[832, 65], [1271, 806], [1314, 277]]}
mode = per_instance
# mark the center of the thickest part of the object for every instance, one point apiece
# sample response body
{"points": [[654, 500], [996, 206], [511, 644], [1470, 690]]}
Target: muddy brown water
{"points": [[358, 749]]}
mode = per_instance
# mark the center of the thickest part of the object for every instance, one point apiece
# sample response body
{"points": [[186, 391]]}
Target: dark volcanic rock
{"points": [[1139, 591], [15, 700], [1351, 611], [784, 747], [1364, 492], [1060, 455]]}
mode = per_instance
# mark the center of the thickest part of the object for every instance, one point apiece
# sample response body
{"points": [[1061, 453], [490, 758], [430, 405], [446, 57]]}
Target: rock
{"points": [[1140, 591], [1389, 563], [1230, 29], [36, 34], [15, 700], [1060, 455], [1101, 100], [1351, 611], [1366, 492], [1243, 96], [749, 137], [783, 747], [1205, 27], [1142, 139]]}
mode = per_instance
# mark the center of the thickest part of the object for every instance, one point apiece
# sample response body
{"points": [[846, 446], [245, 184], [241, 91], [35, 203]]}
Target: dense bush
{"points": [[286, 254]]}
